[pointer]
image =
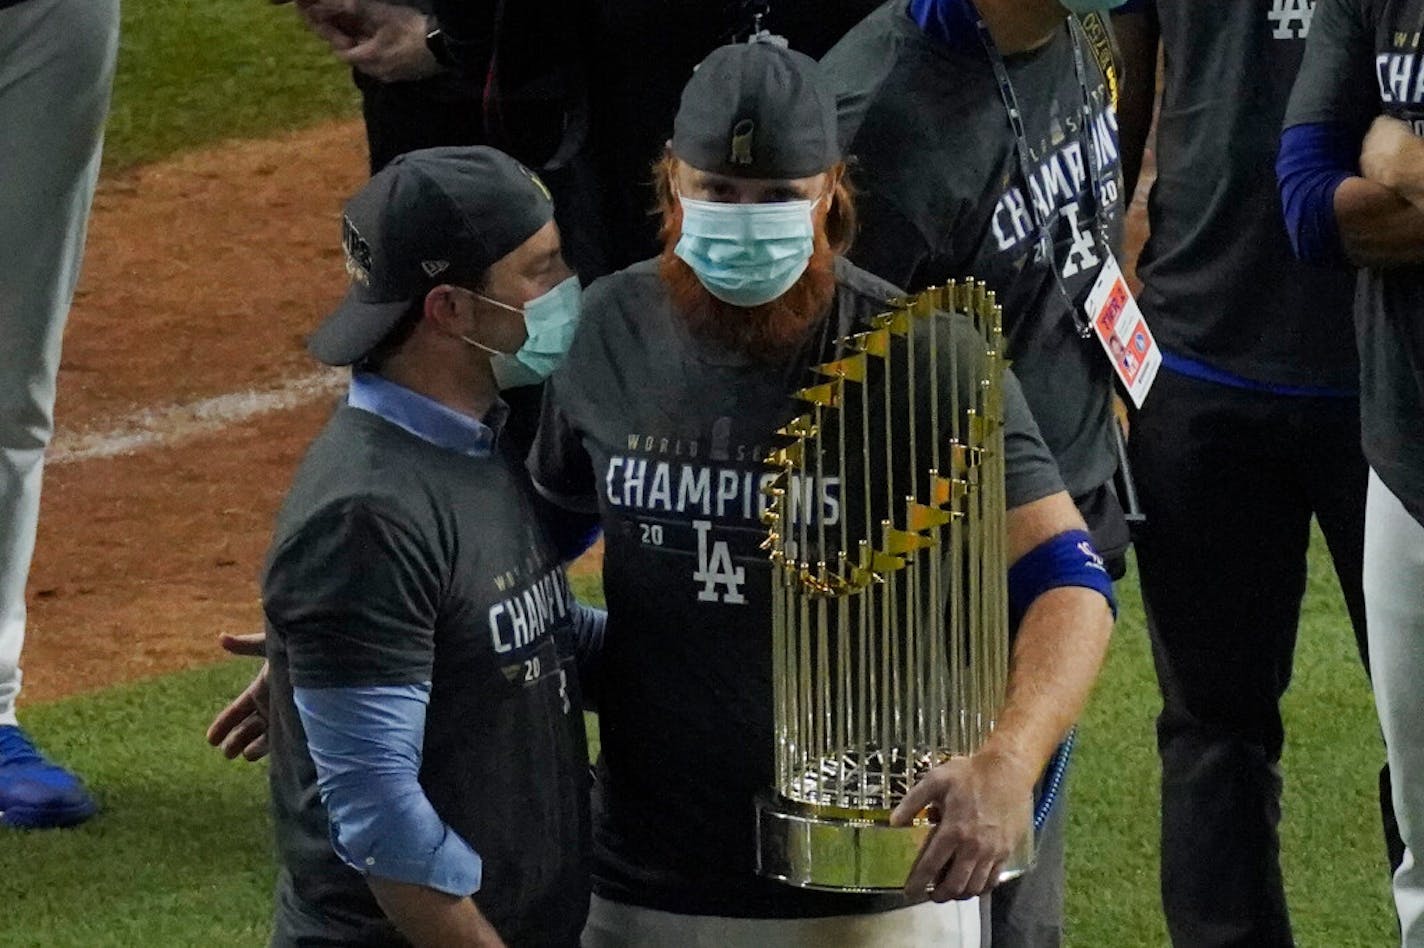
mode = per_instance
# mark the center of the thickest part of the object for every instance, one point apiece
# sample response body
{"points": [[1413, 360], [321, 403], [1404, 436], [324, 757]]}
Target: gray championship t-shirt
{"points": [[942, 198], [666, 437], [397, 562], [1365, 58], [1221, 283]]}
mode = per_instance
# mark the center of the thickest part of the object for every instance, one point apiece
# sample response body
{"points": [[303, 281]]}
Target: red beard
{"points": [[770, 332]]}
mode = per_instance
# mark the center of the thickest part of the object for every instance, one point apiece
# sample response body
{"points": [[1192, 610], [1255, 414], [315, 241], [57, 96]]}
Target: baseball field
{"points": [[185, 402]]}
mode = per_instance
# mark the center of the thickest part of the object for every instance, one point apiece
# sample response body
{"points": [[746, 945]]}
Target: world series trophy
{"points": [[890, 630]]}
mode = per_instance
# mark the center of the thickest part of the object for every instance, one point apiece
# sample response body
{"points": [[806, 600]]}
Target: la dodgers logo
{"points": [[1292, 18]]}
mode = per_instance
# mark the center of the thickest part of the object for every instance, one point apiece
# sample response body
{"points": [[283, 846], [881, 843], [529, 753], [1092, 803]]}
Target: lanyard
{"points": [[1087, 141]]}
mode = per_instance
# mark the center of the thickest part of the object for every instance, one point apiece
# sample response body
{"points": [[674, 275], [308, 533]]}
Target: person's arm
{"points": [[1337, 210], [982, 802], [431, 919], [351, 598], [1139, 37], [366, 745]]}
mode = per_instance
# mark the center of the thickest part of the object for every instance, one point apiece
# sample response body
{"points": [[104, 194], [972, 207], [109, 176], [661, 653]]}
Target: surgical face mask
{"points": [[549, 322], [1080, 7], [747, 254]]}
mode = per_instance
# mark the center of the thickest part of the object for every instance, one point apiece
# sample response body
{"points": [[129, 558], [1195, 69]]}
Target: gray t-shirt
{"points": [[398, 562], [1363, 59], [1221, 283], [666, 436], [942, 198]]}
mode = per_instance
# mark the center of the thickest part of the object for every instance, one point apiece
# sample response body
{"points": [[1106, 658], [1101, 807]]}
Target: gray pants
{"points": [[1394, 609], [56, 68]]}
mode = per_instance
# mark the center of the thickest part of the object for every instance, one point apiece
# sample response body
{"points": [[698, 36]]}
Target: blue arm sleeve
{"points": [[1313, 161], [1068, 559], [952, 22], [366, 745]]}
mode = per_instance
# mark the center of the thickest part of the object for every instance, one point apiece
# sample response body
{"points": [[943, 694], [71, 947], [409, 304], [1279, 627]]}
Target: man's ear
{"points": [[442, 309]]}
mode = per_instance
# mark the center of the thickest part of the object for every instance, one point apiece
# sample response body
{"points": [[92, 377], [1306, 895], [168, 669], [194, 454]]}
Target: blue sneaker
{"points": [[35, 793]]}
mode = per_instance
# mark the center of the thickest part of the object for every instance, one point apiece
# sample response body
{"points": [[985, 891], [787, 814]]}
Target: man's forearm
{"points": [[432, 919], [1379, 227], [1057, 655], [1138, 35]]}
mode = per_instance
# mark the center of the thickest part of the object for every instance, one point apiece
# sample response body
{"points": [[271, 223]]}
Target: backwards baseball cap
{"points": [[442, 215], [757, 110]]}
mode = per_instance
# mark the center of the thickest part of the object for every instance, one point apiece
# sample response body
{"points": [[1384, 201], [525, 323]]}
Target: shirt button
{"points": [[370, 860]]}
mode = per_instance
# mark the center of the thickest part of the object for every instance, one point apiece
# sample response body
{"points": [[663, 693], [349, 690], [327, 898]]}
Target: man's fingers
{"points": [[983, 879], [364, 56], [920, 796], [229, 718], [955, 884], [256, 750], [933, 858], [253, 645], [252, 727]]}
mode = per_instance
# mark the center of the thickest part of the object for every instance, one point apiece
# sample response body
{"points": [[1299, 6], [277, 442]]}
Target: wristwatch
{"points": [[439, 47]]}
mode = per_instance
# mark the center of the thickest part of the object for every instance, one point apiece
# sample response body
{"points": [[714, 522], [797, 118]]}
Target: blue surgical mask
{"points": [[747, 254], [549, 322]]}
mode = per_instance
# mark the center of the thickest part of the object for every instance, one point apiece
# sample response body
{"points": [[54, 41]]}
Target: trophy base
{"points": [[839, 850]]}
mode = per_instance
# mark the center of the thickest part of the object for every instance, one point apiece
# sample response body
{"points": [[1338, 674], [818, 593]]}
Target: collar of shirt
{"points": [[426, 418]]}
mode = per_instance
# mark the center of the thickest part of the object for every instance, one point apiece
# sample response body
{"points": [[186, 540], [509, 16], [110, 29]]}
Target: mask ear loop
{"points": [[480, 345]]}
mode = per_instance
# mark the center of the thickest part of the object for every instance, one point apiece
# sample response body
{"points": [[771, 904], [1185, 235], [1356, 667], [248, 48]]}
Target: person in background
{"points": [[56, 70], [1251, 431], [1352, 189]]}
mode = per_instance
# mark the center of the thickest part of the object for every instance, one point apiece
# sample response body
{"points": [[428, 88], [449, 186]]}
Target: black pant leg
{"points": [[1222, 563], [406, 116], [1336, 476]]}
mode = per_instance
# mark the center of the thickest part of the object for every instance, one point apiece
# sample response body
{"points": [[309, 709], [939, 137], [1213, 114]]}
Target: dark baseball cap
{"points": [[757, 110], [442, 215]]}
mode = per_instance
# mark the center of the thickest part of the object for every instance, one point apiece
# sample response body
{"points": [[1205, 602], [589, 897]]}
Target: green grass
{"points": [[181, 854], [1333, 856], [193, 72]]}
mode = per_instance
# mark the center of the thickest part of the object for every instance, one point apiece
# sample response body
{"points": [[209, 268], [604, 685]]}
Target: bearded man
{"points": [[659, 420]]}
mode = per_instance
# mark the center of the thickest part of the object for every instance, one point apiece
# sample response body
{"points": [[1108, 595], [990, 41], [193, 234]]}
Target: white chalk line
{"points": [[167, 426]]}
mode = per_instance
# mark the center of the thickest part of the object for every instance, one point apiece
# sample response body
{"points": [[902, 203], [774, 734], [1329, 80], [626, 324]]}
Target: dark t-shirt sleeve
{"points": [[560, 465], [1337, 81], [353, 595], [1030, 473]]}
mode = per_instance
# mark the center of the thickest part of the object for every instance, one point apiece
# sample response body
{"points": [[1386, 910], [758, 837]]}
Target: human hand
{"points": [[388, 41], [981, 807], [1392, 155], [240, 729]]}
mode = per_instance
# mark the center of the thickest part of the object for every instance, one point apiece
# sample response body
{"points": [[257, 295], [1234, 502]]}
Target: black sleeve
{"points": [[560, 465], [1336, 82], [353, 595]]}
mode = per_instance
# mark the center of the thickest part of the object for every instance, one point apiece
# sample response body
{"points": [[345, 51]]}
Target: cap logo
{"points": [[743, 134], [543, 188], [358, 253], [434, 268]]}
